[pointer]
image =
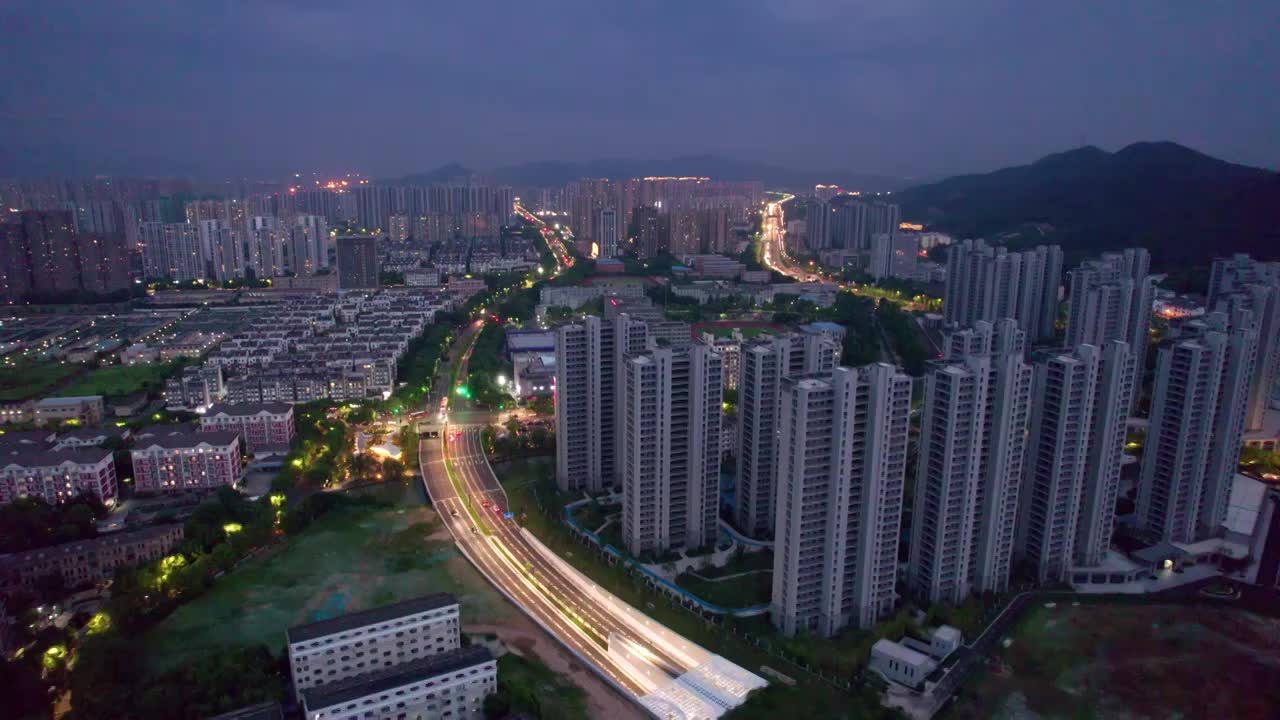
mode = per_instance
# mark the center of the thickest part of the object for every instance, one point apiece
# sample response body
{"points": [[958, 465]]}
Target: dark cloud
{"points": [[905, 87]]}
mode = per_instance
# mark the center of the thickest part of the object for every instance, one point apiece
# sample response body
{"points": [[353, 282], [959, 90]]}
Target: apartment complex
{"points": [[969, 464], [57, 476], [264, 427], [358, 262], [762, 367], [354, 644], [670, 441], [991, 283], [396, 661], [449, 686], [1197, 421], [841, 470], [1057, 455], [175, 458], [589, 362], [89, 561], [1111, 301]]}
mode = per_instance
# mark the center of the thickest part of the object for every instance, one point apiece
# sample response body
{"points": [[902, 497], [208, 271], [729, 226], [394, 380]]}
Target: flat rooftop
{"points": [[351, 621]]}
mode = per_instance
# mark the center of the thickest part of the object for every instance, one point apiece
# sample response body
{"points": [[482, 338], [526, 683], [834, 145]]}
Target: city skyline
{"points": [[160, 87]]}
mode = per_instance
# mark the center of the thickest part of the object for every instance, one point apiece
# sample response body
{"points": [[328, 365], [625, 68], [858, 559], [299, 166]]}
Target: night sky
{"points": [[901, 87]]}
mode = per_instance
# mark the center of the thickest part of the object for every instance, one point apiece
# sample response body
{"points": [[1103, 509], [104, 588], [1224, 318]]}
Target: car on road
{"points": [[474, 531], [485, 504], [454, 513]]}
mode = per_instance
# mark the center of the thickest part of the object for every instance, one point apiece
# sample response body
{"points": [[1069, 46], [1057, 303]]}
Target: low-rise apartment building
{"points": [[175, 458], [329, 651], [264, 427], [451, 686], [57, 476], [89, 561], [87, 410]]}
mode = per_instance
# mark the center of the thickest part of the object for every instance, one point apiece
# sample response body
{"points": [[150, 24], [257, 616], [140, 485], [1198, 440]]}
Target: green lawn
{"points": [[350, 560], [115, 380], [528, 687], [33, 380], [738, 592]]}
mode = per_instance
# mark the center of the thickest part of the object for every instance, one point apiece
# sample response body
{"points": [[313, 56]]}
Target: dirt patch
{"points": [[522, 636], [1129, 660]]}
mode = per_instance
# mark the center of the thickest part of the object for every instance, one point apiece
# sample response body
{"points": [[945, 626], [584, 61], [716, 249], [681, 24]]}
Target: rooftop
{"points": [[261, 711], [350, 621], [360, 686], [241, 409], [180, 436], [900, 652]]}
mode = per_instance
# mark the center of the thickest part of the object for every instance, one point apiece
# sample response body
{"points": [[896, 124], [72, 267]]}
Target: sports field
{"points": [[1131, 661], [349, 560]]}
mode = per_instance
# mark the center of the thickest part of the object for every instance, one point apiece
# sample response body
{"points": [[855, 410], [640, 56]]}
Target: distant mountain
{"points": [[553, 173], [442, 174], [1184, 206]]}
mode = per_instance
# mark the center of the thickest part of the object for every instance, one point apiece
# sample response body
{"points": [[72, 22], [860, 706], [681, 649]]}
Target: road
{"points": [[657, 666], [775, 257]]}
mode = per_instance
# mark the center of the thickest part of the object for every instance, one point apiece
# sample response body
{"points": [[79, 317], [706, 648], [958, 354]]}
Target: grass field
{"points": [[349, 560], [736, 592], [1131, 661], [114, 380], [32, 380]]}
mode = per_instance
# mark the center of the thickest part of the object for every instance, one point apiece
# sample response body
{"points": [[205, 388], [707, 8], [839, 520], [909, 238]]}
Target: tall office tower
{"points": [[842, 446], [357, 262], [762, 367], [1229, 274], [817, 218], [1111, 300], [309, 244], [652, 231], [671, 450], [990, 283], [1197, 420], [970, 461], [171, 251], [1062, 414], [608, 239], [1111, 403], [398, 228], [372, 206]]}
